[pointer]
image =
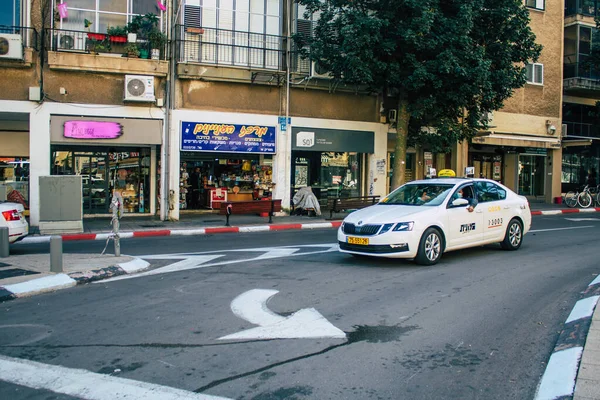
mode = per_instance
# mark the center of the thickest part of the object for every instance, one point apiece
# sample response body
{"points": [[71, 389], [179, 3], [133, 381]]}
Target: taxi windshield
{"points": [[419, 194]]}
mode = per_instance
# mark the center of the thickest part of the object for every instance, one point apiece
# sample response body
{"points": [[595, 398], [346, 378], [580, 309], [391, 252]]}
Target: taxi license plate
{"points": [[356, 240]]}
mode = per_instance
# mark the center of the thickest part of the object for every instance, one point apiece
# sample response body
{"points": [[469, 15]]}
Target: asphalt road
{"points": [[481, 324]]}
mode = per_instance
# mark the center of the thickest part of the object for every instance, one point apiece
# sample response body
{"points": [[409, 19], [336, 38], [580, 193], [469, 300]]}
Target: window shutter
{"points": [[192, 17]]}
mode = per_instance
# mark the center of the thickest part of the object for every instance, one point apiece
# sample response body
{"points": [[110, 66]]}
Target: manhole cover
{"points": [[10, 273]]}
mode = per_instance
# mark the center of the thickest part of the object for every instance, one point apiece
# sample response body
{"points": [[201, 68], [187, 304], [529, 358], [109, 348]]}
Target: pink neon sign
{"points": [[92, 130]]}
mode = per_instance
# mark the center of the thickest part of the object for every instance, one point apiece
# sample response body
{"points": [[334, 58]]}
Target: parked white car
{"points": [[11, 216], [423, 219]]}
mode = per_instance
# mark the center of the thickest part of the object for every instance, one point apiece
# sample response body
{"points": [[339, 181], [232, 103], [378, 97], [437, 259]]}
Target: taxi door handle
{"points": [[478, 211], [506, 207]]}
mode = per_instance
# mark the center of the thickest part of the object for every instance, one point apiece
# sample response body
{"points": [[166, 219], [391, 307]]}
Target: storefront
{"points": [[14, 166], [330, 161], [224, 162], [109, 154], [487, 162]]}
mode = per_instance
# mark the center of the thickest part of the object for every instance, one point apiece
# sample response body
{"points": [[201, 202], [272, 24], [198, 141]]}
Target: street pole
{"points": [[4, 247]]}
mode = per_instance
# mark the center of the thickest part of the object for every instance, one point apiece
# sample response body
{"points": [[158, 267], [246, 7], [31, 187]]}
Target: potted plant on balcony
{"points": [[132, 50], [117, 34], [144, 26], [157, 41], [99, 46]]}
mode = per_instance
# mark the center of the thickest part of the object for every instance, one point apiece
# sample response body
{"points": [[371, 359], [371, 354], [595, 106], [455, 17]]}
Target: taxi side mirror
{"points": [[460, 203]]}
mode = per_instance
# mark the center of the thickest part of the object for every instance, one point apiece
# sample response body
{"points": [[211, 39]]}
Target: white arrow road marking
{"points": [[582, 219], [199, 260], [303, 324], [190, 262], [88, 385]]}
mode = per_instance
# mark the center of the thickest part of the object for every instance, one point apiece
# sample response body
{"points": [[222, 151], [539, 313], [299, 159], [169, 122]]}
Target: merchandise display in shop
{"points": [[205, 184]]}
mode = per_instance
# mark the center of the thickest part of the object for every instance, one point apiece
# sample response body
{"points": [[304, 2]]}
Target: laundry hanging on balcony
{"points": [[161, 5], [62, 10]]}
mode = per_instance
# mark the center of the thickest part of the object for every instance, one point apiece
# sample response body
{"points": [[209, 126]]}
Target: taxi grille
{"points": [[365, 230]]}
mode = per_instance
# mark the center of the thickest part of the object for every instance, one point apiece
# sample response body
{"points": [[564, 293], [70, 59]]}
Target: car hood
{"points": [[382, 214]]}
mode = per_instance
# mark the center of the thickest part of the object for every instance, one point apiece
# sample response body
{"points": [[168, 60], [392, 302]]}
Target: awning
{"points": [[579, 141], [501, 139]]}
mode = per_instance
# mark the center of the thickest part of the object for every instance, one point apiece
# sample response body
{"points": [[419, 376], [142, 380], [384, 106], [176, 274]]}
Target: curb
{"points": [[184, 232], [560, 375], [63, 281], [566, 211]]}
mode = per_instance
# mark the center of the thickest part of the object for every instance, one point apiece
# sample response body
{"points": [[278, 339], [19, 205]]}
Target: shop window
{"points": [[102, 173], [14, 179]]}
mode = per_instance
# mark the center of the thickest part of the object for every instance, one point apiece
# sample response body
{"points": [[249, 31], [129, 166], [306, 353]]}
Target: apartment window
{"points": [[535, 73], [537, 4], [105, 13], [10, 13], [253, 16]]}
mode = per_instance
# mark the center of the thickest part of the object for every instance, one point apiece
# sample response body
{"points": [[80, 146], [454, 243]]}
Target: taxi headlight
{"points": [[385, 228], [403, 226]]}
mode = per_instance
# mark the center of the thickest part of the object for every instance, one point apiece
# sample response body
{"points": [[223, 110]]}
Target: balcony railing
{"points": [[27, 36], [582, 7], [64, 40], [582, 130], [581, 70], [221, 47]]}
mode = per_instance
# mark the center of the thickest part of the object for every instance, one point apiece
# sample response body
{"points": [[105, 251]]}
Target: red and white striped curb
{"points": [[240, 229], [185, 232], [566, 211]]}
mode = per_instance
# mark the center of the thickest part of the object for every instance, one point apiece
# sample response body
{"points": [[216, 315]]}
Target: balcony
{"points": [[580, 130], [246, 54], [99, 52], [17, 44], [580, 7], [581, 80]]}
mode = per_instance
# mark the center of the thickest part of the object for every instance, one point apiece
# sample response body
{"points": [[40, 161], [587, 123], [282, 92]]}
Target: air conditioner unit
{"points": [[392, 116], [139, 88], [487, 118], [316, 71], [563, 130], [11, 46], [70, 42]]}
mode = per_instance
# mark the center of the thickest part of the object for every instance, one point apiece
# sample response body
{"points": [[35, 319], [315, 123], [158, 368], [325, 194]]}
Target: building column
{"points": [[282, 165], [174, 136], [39, 159], [153, 166], [460, 157], [553, 175], [511, 171]]}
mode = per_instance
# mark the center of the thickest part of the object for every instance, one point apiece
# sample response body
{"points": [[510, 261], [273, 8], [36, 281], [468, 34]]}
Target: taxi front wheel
{"points": [[430, 248], [514, 235]]}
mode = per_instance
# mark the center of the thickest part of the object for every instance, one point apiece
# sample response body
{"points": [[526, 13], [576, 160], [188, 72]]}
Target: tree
{"points": [[445, 61]]}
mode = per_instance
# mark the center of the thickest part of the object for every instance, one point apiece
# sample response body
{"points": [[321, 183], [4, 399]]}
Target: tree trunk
{"points": [[398, 176]]}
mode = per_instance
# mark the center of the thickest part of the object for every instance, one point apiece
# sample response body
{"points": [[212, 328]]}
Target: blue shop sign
{"points": [[202, 136]]}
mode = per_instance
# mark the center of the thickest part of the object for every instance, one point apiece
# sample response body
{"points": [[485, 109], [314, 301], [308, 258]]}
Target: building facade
{"points": [[225, 109]]}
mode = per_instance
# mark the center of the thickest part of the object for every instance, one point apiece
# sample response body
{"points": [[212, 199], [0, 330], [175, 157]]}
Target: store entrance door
{"points": [[531, 175], [94, 176]]}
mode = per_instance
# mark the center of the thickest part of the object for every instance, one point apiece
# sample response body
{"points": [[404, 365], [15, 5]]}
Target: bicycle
{"points": [[585, 198]]}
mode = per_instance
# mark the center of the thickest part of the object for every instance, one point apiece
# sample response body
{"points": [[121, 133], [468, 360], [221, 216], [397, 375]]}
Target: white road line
{"points": [[559, 378], [88, 385], [561, 229], [583, 308]]}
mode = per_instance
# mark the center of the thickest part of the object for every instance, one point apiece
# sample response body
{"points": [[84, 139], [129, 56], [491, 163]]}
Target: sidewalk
{"points": [[573, 370]]}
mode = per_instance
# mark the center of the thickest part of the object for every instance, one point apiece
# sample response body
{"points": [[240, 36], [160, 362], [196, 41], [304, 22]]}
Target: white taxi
{"points": [[423, 219]]}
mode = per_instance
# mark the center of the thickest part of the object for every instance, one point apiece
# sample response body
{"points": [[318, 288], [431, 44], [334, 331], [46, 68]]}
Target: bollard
{"points": [[56, 254], [4, 248], [116, 237]]}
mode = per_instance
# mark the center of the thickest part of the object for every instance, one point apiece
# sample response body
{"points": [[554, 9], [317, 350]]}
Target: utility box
{"points": [[61, 204]]}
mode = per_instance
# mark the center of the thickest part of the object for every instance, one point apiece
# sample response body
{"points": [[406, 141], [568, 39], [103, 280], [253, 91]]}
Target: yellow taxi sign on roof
{"points": [[447, 173]]}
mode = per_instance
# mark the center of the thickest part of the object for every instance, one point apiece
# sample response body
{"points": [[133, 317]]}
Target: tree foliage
{"points": [[446, 62]]}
